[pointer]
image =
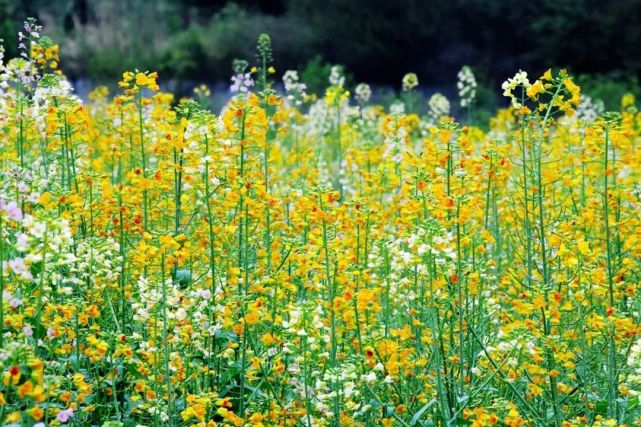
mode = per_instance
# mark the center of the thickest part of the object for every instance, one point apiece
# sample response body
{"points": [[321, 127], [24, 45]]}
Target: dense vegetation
{"points": [[301, 260], [198, 39]]}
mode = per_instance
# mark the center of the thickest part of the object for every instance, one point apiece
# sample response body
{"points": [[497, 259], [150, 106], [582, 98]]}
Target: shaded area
{"points": [[377, 40]]}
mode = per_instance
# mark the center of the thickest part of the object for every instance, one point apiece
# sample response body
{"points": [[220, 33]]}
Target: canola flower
{"points": [[291, 261]]}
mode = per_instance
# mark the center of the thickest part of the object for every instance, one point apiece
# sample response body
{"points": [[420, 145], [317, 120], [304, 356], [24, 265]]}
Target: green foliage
{"points": [[487, 101], [184, 54], [377, 40], [609, 88], [388, 97], [11, 16], [315, 74]]}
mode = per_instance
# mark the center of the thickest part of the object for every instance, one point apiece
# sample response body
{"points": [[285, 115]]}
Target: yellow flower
{"points": [[36, 413], [574, 90], [251, 318], [141, 79], [535, 89], [25, 389], [269, 339], [93, 311], [13, 417], [539, 302]]}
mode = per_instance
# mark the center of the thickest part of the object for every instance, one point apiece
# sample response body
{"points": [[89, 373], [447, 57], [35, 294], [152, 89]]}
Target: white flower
{"points": [[397, 108], [336, 77], [519, 79], [241, 83], [363, 93], [369, 378], [438, 106], [294, 88], [466, 86], [410, 81], [589, 109]]}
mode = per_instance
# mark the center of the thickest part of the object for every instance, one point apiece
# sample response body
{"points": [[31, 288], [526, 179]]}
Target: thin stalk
{"points": [[141, 133], [613, 409], [331, 292], [165, 338]]}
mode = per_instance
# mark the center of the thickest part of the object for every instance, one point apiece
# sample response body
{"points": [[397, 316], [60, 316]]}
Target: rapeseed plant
{"points": [[318, 262]]}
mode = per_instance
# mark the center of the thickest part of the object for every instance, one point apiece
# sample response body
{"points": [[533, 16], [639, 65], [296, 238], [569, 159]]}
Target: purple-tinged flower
{"points": [[64, 416], [203, 293], [19, 268], [15, 302], [22, 242], [13, 211], [241, 83]]}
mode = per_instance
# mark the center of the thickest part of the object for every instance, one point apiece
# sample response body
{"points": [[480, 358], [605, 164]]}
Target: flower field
{"points": [[315, 261]]}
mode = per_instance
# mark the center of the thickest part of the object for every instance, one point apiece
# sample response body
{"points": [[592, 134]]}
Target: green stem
{"points": [[612, 362], [165, 339]]}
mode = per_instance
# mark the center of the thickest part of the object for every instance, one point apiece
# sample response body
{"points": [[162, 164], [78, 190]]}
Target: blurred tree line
{"points": [[376, 40]]}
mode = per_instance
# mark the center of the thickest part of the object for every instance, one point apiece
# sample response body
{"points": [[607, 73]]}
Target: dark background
{"points": [[377, 41]]}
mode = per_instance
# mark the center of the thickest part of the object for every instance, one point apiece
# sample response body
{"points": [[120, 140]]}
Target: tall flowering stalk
{"points": [[293, 260]]}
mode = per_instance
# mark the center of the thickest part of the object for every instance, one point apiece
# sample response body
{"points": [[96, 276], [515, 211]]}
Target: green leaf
{"points": [[417, 416]]}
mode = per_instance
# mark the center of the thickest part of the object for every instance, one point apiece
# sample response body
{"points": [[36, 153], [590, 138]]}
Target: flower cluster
{"points": [[466, 86], [410, 81], [520, 79], [290, 260], [363, 93], [296, 90], [438, 106]]}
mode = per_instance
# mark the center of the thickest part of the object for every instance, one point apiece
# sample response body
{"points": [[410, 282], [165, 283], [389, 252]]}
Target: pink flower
{"points": [[15, 302], [13, 211], [19, 268], [64, 416]]}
